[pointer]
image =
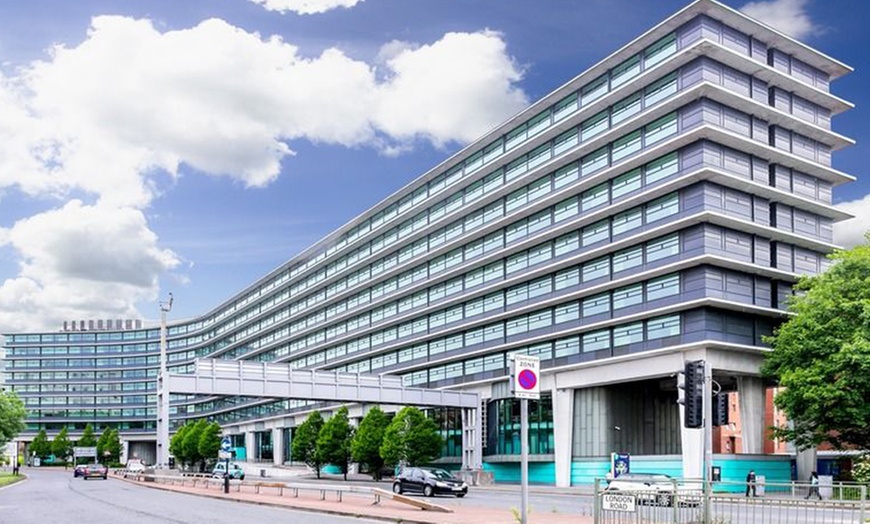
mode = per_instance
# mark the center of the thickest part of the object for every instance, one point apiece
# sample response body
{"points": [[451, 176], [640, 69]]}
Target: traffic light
{"points": [[720, 409], [693, 398]]}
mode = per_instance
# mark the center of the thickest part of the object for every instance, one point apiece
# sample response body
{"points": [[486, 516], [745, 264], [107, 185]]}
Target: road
{"points": [[54, 496]]}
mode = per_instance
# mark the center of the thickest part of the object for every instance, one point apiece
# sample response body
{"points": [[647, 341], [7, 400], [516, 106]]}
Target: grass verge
{"points": [[7, 478]]}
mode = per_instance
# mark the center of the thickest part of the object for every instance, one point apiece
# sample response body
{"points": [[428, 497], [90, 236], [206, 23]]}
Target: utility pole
{"points": [[162, 393]]}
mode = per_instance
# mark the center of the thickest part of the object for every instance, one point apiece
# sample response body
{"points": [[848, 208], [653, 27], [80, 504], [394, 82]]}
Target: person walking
{"points": [[750, 483], [814, 486]]}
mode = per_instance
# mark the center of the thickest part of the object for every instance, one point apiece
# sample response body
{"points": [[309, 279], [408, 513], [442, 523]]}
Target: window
{"points": [[662, 207], [628, 334], [593, 126], [663, 327], [515, 137], [540, 122], [660, 90], [567, 278], [663, 247], [625, 184], [595, 305], [596, 233], [662, 168], [627, 259], [625, 109], [567, 346], [660, 50], [565, 107], [567, 244], [625, 72], [567, 312], [626, 146], [566, 175], [627, 296], [593, 162], [567, 209], [541, 319], [660, 129], [596, 269], [663, 287], [596, 340], [594, 197], [565, 141], [593, 90], [627, 221]]}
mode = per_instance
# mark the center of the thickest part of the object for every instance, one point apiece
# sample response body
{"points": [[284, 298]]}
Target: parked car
{"points": [[654, 488], [429, 482], [79, 470], [135, 465], [235, 471], [95, 471]]}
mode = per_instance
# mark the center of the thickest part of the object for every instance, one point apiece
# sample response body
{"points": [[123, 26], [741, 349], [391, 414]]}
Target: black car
{"points": [[429, 482]]}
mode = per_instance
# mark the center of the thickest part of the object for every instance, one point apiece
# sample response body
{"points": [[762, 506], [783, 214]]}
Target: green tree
{"points": [[821, 356], [61, 446], [111, 451], [333, 440], [12, 415], [304, 447], [87, 439], [411, 438], [366, 445], [176, 444], [210, 440], [40, 446], [191, 443]]}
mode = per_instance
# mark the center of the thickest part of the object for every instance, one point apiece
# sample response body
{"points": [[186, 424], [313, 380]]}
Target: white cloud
{"points": [[788, 16], [104, 119], [81, 262], [305, 7], [849, 233]]}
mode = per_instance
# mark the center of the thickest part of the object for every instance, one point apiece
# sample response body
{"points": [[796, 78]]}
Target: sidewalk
{"points": [[363, 506]]}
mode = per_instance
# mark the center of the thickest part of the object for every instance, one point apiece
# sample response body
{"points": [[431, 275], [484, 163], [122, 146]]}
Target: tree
{"points": [[366, 445], [61, 446], [333, 440], [40, 445], [304, 447], [176, 444], [210, 440], [411, 438], [821, 356], [191, 443], [12, 415], [88, 439], [110, 450]]}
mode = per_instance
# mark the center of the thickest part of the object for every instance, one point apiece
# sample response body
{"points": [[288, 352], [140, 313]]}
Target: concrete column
{"points": [[125, 451], [806, 463], [751, 391], [277, 446], [563, 434], [250, 446], [693, 449]]}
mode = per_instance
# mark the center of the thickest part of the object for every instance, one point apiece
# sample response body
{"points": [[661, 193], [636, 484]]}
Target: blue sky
{"points": [[192, 147]]}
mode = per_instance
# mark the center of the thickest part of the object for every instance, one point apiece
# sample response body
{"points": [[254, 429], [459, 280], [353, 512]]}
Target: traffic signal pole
{"points": [[708, 438]]}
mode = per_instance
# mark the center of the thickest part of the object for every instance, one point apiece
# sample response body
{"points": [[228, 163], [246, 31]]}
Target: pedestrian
{"points": [[750, 483], [814, 486]]}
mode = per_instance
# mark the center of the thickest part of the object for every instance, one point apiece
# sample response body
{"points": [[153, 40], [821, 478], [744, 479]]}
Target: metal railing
{"points": [[696, 502]]}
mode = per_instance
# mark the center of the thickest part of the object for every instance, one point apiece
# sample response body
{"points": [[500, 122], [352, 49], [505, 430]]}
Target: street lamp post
{"points": [[162, 394]]}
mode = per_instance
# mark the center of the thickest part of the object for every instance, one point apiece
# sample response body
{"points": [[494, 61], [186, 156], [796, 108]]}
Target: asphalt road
{"points": [[54, 496]]}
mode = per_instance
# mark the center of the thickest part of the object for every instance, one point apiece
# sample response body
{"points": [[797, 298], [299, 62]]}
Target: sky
{"points": [[192, 147]]}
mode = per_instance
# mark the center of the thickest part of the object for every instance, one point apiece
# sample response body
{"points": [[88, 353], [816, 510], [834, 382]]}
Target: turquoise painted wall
{"points": [[775, 469], [509, 472]]}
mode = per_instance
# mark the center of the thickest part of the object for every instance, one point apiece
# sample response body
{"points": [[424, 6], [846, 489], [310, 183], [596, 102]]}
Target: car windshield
{"points": [[437, 473]]}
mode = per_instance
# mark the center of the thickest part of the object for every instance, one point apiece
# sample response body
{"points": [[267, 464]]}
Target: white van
{"points": [[235, 471]]}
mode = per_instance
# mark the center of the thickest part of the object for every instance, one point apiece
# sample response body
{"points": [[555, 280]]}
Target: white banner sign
{"points": [[618, 502]]}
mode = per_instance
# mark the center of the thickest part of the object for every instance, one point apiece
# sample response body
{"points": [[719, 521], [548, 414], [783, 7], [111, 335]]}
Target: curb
{"points": [[398, 520]]}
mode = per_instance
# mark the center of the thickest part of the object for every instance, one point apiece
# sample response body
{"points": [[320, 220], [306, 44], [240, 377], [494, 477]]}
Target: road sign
{"points": [[87, 451], [525, 378], [225, 455], [618, 502], [226, 444]]}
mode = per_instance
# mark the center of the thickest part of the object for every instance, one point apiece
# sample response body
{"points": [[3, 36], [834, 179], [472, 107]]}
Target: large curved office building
{"points": [[655, 209]]}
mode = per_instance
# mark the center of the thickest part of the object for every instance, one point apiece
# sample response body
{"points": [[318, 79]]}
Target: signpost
{"points": [[525, 384], [225, 453]]}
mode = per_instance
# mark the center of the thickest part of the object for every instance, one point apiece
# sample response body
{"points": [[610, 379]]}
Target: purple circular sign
{"points": [[527, 379]]}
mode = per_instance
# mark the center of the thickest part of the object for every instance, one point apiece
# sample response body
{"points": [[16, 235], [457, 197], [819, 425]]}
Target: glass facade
{"points": [[670, 195]]}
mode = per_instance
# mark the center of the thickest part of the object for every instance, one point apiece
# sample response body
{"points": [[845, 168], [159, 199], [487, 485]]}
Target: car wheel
{"points": [[397, 488], [105, 477], [664, 499], [460, 495], [428, 491]]}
